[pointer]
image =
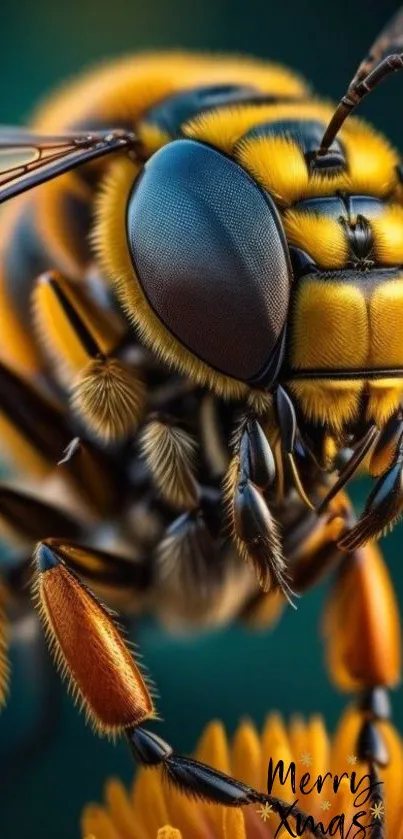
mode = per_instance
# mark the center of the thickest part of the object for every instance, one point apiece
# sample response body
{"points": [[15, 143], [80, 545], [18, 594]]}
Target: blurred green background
{"points": [[50, 763]]}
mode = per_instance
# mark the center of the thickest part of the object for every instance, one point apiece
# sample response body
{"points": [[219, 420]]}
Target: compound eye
{"points": [[210, 258]]}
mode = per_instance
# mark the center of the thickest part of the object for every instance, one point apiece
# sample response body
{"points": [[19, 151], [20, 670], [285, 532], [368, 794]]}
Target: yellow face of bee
{"points": [[343, 316], [347, 324]]}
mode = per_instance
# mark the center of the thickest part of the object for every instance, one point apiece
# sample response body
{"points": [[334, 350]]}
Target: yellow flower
{"points": [[153, 810]]}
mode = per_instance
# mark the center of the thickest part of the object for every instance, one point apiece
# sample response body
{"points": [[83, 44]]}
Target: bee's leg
{"points": [[170, 453], [24, 518], [294, 450], [35, 433], [310, 556], [199, 780], [90, 652], [87, 346], [121, 579], [319, 552], [352, 465], [385, 502], [186, 559], [250, 480], [363, 646]]}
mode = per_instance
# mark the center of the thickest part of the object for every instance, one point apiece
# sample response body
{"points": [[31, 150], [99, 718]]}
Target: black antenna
{"points": [[384, 58]]}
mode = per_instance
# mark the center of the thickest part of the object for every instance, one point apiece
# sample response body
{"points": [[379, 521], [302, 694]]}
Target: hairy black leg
{"points": [[372, 749], [255, 529], [384, 505]]}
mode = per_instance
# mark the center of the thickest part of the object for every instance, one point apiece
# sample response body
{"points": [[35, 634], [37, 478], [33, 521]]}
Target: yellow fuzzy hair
{"points": [[278, 165], [125, 88], [329, 326], [333, 326], [152, 137], [334, 403], [371, 160], [109, 397], [121, 92], [385, 312], [385, 397], [322, 237], [17, 346], [388, 235], [338, 402], [56, 226], [111, 246]]}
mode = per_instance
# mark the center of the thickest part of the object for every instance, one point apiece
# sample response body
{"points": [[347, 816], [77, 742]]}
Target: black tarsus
{"points": [[197, 779], [200, 781], [146, 747], [371, 745], [377, 826]]}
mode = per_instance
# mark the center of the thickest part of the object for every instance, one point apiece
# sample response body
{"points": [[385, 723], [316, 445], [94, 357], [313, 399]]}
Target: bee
{"points": [[201, 283]]}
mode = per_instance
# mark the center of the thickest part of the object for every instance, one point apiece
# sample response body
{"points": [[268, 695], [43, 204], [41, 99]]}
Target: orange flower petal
{"points": [[362, 626]]}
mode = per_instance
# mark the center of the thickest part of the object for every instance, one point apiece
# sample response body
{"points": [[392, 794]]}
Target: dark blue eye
{"points": [[211, 257]]}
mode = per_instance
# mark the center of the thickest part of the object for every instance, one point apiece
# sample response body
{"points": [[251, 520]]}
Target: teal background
{"points": [[50, 763]]}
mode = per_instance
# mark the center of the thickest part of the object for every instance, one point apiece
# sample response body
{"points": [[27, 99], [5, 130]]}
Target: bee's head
{"points": [[201, 262]]}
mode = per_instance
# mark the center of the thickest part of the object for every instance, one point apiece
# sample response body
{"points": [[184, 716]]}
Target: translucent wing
{"points": [[28, 159]]}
